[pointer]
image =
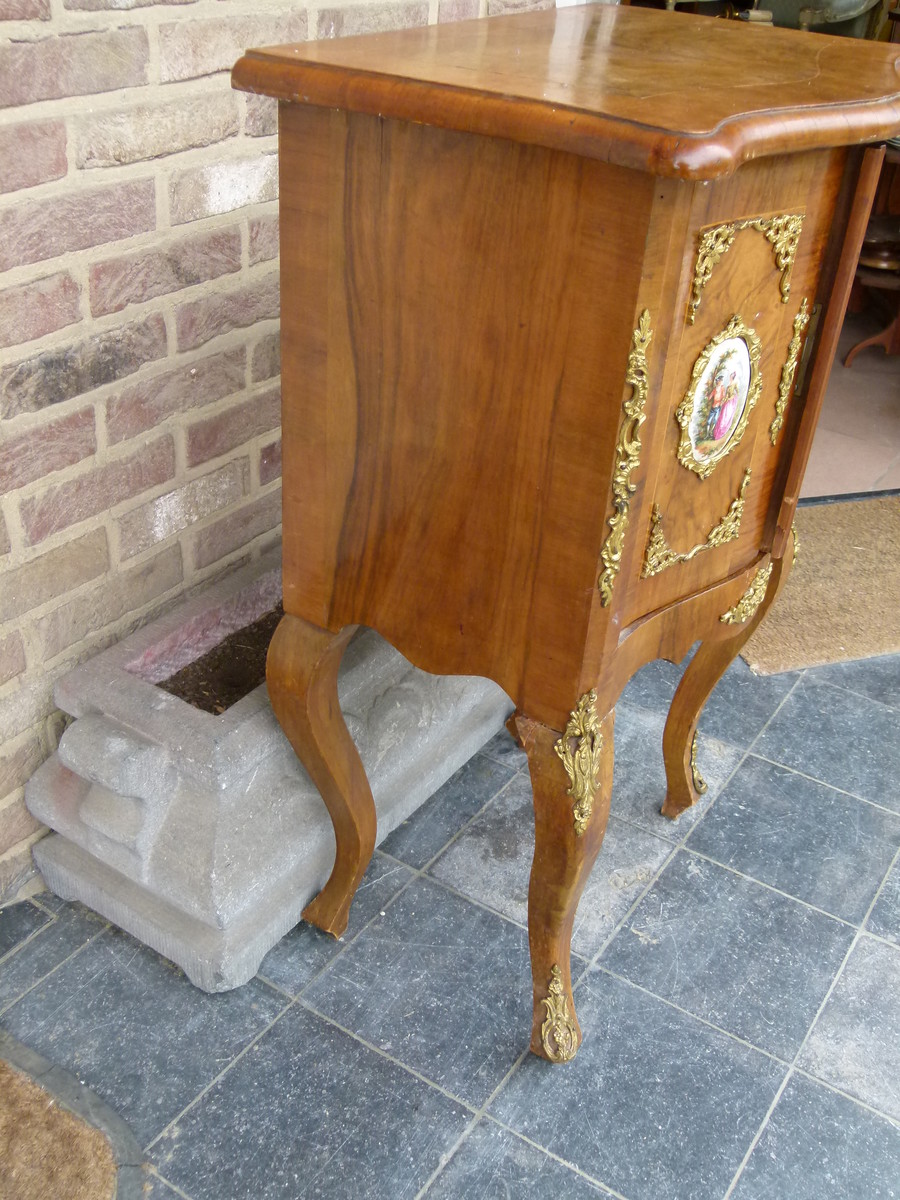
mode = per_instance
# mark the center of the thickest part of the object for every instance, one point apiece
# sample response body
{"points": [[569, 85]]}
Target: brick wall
{"points": [[139, 392]]}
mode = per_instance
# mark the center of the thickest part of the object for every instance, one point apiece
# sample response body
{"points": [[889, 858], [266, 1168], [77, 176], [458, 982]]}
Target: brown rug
{"points": [[47, 1152], [842, 600]]}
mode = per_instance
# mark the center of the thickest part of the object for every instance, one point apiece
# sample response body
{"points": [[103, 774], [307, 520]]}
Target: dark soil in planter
{"points": [[228, 672]]}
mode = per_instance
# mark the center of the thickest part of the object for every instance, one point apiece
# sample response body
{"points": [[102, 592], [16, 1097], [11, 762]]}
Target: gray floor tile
{"points": [[491, 862], [819, 1144], [438, 983], [310, 1112], [840, 738], [855, 1044], [503, 749], [739, 707], [885, 918], [493, 1164], [732, 952], [639, 778], [18, 922], [430, 827], [157, 1189], [656, 1105], [877, 678], [30, 963], [819, 845], [302, 953], [135, 1031]]}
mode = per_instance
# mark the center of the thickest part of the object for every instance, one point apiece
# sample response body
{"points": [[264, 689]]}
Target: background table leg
{"points": [[301, 675], [567, 840], [712, 659]]}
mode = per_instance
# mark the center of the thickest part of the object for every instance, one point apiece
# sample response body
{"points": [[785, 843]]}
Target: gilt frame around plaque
{"points": [[724, 388]]}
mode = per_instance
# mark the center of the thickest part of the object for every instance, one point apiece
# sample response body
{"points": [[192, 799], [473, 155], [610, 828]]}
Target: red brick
{"points": [[236, 425], [16, 823], [146, 131], [46, 448], [222, 187], [58, 507], [62, 374], [126, 592], [31, 152], [458, 10], [73, 64], [266, 360], [237, 530], [261, 118], [174, 511], [270, 463], [142, 406], [188, 49], [19, 764], [12, 657], [199, 320], [33, 230], [370, 18], [16, 870], [52, 574], [33, 309], [263, 239], [135, 278], [24, 10]]}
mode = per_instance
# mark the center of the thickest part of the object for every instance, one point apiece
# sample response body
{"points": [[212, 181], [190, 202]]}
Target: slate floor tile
{"points": [[732, 952], [877, 678], [135, 1031], [855, 1044], [157, 1189], [818, 1143], [493, 1164], [656, 1105], [56, 941], [438, 983], [310, 1112], [18, 922], [639, 778], [491, 863], [802, 837], [840, 738], [885, 918], [303, 952], [738, 709], [430, 827], [503, 749]]}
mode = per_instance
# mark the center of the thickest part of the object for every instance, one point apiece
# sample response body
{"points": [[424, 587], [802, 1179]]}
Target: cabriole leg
{"points": [[684, 783], [569, 829], [301, 675]]}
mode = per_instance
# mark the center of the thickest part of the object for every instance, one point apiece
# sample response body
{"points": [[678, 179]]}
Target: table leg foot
{"points": [[684, 782], [569, 829], [301, 675]]}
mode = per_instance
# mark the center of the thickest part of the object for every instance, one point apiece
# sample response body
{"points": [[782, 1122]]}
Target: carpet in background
{"points": [[842, 600]]}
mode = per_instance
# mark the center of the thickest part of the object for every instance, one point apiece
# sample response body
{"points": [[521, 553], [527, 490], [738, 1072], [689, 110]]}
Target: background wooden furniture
{"points": [[509, 247]]}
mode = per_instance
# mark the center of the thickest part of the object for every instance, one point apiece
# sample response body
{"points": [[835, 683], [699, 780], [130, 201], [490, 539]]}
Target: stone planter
{"points": [[202, 835]]}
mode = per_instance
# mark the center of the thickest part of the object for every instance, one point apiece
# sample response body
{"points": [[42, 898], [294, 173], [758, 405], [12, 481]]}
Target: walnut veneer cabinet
{"points": [[560, 294]]}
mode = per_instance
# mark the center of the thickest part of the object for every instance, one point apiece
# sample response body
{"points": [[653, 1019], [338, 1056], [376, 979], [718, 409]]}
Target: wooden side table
{"points": [[560, 295]]}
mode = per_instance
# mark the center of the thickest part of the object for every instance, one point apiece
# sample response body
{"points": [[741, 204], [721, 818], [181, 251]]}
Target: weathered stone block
{"points": [[12, 656], [265, 361], [153, 130], [263, 239], [16, 823], [351, 19], [270, 463], [188, 49], [73, 65], [222, 187], [31, 310], [210, 316], [202, 835], [236, 530]]}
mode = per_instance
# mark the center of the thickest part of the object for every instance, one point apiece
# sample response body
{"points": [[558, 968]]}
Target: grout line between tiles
{"points": [[5, 1007], [860, 933], [168, 1182], [772, 762]]}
